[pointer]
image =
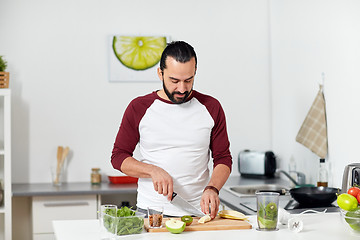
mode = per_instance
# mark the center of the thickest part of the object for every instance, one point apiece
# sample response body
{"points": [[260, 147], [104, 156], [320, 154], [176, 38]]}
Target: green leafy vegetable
{"points": [[125, 212], [267, 216], [126, 221]]}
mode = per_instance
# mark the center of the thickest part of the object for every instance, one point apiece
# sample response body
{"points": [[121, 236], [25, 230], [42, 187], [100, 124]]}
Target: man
{"points": [[176, 128]]}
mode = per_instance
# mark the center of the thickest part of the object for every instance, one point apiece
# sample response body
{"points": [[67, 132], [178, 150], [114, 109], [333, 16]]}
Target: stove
{"points": [[248, 206], [294, 207]]}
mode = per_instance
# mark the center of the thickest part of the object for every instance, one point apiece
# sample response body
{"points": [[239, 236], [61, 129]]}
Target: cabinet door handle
{"points": [[65, 204]]}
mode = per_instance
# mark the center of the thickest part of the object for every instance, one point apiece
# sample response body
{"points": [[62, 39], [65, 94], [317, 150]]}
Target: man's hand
{"points": [[162, 181], [210, 199]]}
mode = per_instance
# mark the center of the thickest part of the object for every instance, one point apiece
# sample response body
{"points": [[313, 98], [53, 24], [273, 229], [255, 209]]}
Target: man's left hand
{"points": [[210, 200]]}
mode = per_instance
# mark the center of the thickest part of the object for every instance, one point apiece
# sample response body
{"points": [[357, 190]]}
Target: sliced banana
{"points": [[204, 219], [231, 214]]}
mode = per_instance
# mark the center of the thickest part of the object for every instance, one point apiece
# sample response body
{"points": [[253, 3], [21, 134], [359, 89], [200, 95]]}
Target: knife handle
{"points": [[173, 195]]}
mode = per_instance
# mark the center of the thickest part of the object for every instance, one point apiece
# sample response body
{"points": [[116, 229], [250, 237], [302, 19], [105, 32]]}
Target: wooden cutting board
{"points": [[215, 224]]}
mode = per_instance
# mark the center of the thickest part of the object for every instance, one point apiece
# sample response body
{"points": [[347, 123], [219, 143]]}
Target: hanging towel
{"points": [[313, 132]]}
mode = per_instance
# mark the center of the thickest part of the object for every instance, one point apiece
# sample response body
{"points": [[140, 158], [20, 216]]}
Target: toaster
{"points": [[351, 177], [257, 164]]}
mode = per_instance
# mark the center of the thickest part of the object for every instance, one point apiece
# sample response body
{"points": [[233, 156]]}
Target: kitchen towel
{"points": [[313, 132]]}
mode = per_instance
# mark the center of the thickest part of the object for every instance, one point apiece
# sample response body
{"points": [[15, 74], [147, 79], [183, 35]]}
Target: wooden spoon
{"points": [[58, 166], [64, 155]]}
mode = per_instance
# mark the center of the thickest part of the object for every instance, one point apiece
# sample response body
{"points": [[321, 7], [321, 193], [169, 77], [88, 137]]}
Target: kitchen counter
{"points": [[74, 188], [316, 226], [237, 203], [247, 204], [322, 225], [239, 180], [38, 204], [84, 188]]}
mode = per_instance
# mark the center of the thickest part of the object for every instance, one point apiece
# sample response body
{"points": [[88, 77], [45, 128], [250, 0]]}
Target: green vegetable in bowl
{"points": [[125, 212], [353, 219], [126, 221]]}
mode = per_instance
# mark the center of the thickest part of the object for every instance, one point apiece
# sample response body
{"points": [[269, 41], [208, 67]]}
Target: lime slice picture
{"points": [[138, 52]]}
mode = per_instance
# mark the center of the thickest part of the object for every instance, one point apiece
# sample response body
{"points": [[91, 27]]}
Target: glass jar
{"points": [[323, 174], [95, 176]]}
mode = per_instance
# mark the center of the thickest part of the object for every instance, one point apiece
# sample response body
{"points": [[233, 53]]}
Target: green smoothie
{"points": [[268, 216]]}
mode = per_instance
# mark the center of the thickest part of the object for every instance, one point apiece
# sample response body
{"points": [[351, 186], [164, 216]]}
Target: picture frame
{"points": [[135, 58]]}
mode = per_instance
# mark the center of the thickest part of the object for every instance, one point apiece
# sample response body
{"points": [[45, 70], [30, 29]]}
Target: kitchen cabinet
{"points": [[45, 209], [38, 204], [5, 163]]}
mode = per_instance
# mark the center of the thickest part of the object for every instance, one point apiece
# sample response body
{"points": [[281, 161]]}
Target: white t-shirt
{"points": [[177, 138]]}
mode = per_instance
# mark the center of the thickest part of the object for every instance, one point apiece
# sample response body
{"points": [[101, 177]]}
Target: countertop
{"points": [[247, 204], [84, 188], [316, 226], [74, 188], [326, 225], [237, 203]]}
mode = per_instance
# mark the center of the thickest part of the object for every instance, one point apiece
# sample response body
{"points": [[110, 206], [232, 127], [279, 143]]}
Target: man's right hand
{"points": [[162, 181]]}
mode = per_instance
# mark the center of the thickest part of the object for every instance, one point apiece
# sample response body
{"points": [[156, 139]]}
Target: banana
{"points": [[231, 214]]}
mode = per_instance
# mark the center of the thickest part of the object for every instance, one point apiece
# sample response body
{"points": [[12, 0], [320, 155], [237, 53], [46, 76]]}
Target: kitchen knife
{"points": [[181, 203]]}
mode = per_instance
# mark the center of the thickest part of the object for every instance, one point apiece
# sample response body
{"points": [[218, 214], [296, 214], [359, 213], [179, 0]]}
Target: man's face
{"points": [[178, 79]]}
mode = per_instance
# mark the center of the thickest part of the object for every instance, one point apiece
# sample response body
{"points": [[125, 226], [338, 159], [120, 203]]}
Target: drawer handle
{"points": [[66, 204]]}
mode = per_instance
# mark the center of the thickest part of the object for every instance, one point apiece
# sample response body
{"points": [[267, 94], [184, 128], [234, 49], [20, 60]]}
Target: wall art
{"points": [[135, 58]]}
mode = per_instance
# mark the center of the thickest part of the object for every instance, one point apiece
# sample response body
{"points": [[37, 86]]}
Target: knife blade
{"points": [[181, 203]]}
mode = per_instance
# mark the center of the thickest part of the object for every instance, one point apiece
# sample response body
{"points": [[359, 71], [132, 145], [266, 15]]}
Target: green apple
{"points": [[347, 202], [175, 226]]}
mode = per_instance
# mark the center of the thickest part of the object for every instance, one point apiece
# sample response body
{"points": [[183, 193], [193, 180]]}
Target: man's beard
{"points": [[172, 97]]}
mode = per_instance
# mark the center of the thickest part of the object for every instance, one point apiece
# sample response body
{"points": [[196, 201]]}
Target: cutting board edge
{"points": [[242, 225], [163, 229]]}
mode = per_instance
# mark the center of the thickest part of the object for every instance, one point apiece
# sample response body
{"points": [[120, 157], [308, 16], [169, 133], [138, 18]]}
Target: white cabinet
{"points": [[5, 163], [45, 209]]}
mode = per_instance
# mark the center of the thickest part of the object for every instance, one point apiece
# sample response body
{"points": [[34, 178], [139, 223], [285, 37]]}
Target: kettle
{"points": [[351, 177]]}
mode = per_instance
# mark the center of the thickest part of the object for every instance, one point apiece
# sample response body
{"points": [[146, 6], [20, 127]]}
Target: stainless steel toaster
{"points": [[351, 177], [257, 164]]}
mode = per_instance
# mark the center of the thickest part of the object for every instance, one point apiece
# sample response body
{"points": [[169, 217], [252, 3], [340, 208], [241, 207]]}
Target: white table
{"points": [[326, 226]]}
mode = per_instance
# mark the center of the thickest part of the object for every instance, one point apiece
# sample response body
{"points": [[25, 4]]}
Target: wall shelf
{"points": [[5, 164]]}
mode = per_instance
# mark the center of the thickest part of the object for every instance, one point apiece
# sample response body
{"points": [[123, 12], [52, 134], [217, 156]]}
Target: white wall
{"points": [[57, 56], [307, 38]]}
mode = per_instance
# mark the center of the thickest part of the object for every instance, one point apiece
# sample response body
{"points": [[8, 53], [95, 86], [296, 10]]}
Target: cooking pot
{"points": [[314, 196]]}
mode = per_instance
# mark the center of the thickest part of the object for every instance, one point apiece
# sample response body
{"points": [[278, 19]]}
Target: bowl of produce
{"points": [[349, 204], [126, 221], [351, 220]]}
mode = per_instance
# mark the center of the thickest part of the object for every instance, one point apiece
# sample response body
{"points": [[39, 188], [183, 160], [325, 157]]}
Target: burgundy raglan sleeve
{"points": [[219, 143], [127, 137]]}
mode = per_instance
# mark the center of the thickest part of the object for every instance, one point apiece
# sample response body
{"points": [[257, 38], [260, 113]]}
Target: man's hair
{"points": [[179, 50]]}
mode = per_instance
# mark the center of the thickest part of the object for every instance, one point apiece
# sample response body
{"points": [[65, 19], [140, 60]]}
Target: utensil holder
{"points": [[57, 175]]}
